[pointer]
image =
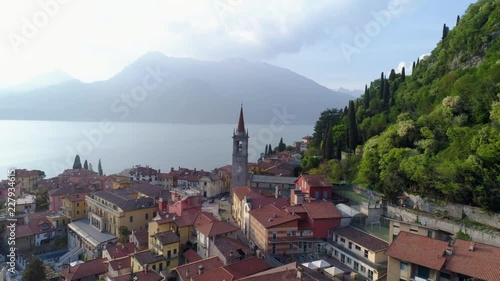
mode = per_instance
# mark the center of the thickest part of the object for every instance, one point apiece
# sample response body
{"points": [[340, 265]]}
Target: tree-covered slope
{"points": [[435, 133]]}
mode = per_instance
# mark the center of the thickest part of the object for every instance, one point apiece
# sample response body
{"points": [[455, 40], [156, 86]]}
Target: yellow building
{"points": [[110, 210], [147, 260], [27, 179], [167, 244], [74, 206], [182, 225], [116, 182]]}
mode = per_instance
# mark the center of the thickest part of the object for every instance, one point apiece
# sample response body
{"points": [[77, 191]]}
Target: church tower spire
{"points": [[239, 175]]}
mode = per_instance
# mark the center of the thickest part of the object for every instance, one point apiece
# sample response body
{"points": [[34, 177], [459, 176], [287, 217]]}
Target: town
{"points": [[246, 221]]}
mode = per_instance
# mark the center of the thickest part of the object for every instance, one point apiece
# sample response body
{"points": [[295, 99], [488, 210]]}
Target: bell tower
{"points": [[240, 154]]}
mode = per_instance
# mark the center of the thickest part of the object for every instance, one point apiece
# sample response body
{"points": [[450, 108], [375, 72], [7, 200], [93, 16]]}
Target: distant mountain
{"points": [[191, 91], [41, 81], [352, 93]]}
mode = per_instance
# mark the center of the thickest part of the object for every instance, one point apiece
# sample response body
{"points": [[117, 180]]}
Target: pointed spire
{"points": [[241, 122]]}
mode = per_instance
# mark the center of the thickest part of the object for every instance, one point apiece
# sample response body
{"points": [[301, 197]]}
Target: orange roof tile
{"points": [[191, 269], [321, 210], [270, 216], [418, 249]]}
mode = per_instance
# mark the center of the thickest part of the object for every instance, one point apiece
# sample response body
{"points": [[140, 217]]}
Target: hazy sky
{"points": [[338, 43]]}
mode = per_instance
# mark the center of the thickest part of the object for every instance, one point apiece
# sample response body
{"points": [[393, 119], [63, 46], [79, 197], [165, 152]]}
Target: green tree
{"points": [[328, 144], [35, 271], [42, 199], [99, 168], [124, 233], [270, 150], [446, 29], [403, 74], [86, 165], [458, 19], [392, 75], [77, 164], [386, 95], [352, 127], [413, 67], [382, 84], [266, 151], [281, 145]]}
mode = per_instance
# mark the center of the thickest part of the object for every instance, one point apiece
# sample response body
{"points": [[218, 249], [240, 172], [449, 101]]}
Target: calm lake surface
{"points": [[52, 145]]}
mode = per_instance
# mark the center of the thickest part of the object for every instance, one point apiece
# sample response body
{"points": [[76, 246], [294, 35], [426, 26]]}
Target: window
{"points": [[77, 212], [423, 272], [175, 251], [413, 229], [348, 260], [168, 263], [366, 253], [363, 269], [403, 266], [336, 253], [370, 274], [78, 204], [154, 214], [336, 238], [396, 225], [342, 258], [274, 235], [342, 240], [358, 248], [394, 236], [350, 245], [131, 219], [356, 266], [429, 234], [146, 216], [274, 248]]}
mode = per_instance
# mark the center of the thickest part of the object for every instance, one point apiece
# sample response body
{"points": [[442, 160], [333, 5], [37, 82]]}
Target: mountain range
{"points": [[183, 90]]}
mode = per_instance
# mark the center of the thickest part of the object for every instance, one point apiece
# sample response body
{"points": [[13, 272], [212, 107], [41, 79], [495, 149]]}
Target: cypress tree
{"points": [[86, 165], [418, 61], [265, 151], [270, 150], [413, 67], [353, 127], [328, 143], [99, 168], [458, 19], [392, 76], [381, 90], [366, 98], [403, 74], [445, 31], [387, 94], [281, 145], [338, 150], [77, 164]]}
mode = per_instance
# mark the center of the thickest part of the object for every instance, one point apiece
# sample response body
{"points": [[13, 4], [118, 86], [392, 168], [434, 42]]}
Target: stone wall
{"points": [[454, 211], [491, 238]]}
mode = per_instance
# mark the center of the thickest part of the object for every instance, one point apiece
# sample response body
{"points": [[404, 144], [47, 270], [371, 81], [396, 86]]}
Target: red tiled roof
{"points": [[23, 230], [120, 263], [317, 180], [296, 209], [207, 224], [191, 269], [191, 255], [141, 276], [418, 249], [218, 274], [86, 269], [321, 210], [247, 267], [121, 250], [270, 216], [241, 192], [186, 219], [483, 262], [287, 272], [75, 197], [278, 202], [36, 225], [141, 236]]}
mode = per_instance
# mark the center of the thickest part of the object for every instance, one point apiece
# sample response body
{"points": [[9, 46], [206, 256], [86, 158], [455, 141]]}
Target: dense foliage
{"points": [[435, 133]]}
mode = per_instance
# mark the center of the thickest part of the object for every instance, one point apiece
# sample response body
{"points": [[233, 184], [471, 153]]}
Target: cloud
{"points": [[93, 39]]}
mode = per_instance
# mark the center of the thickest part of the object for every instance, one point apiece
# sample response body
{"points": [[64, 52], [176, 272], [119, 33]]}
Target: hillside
{"points": [[191, 91], [435, 133]]}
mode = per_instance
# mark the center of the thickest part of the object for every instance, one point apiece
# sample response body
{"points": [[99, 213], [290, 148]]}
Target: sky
{"points": [[337, 43]]}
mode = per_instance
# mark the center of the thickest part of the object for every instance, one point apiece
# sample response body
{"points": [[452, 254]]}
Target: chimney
{"points": [[277, 191], [471, 246], [119, 265], [187, 273], [231, 254], [299, 273], [200, 269], [145, 267], [192, 278], [274, 215]]}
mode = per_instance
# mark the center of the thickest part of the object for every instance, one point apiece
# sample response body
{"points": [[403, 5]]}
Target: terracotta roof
{"points": [[270, 216], [191, 255], [186, 220], [167, 237], [321, 210], [287, 272], [69, 189], [75, 197], [483, 262], [316, 180], [218, 274], [191, 269], [141, 236], [226, 245], [418, 249], [120, 250], [278, 202], [86, 269], [241, 192], [147, 257], [207, 224], [247, 267], [36, 225], [117, 264], [296, 209], [141, 276], [362, 238], [23, 230]]}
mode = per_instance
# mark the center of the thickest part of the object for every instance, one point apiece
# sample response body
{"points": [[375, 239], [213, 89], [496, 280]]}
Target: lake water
{"points": [[52, 145]]}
